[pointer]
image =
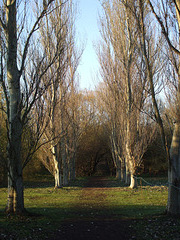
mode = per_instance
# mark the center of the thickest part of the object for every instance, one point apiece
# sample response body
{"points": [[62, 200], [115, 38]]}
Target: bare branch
{"points": [[34, 28], [3, 25], [164, 31]]}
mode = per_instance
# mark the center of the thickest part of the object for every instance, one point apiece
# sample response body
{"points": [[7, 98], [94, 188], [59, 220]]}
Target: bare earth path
{"points": [[94, 219]]}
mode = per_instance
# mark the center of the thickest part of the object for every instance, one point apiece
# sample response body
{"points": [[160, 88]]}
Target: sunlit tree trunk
{"points": [[173, 206], [57, 168], [133, 183], [129, 53], [129, 164], [15, 179], [55, 153]]}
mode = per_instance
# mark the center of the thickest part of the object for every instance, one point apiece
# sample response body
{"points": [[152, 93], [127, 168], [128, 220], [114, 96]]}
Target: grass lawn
{"points": [[50, 208]]}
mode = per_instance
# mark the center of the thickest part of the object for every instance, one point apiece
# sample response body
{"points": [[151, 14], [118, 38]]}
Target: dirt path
{"points": [[94, 221]]}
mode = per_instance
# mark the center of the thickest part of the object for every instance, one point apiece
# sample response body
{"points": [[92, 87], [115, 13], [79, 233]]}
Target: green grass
{"points": [[137, 204], [49, 208]]}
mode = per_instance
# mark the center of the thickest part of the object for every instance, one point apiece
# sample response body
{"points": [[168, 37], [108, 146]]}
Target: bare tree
{"points": [[61, 96], [122, 69], [168, 17], [21, 89]]}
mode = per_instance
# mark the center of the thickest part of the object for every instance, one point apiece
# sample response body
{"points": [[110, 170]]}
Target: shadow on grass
{"points": [[83, 213], [50, 221], [91, 212], [44, 221]]}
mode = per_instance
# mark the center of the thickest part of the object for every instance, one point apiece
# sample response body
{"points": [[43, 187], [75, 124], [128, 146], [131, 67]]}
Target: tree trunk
{"points": [[57, 168], [123, 171], [64, 162], [173, 206], [119, 166], [173, 156], [133, 182], [115, 155], [127, 180], [72, 163], [118, 173], [15, 203], [128, 150], [57, 176]]}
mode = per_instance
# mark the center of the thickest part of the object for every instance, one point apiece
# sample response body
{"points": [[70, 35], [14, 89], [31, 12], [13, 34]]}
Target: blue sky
{"points": [[87, 31]]}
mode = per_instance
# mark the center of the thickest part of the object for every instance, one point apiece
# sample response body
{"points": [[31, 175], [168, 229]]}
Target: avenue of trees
{"points": [[131, 119], [139, 57], [126, 85]]}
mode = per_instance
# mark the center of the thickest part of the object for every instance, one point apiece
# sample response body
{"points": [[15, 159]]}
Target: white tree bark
{"points": [[15, 182], [133, 182], [57, 168], [127, 175]]}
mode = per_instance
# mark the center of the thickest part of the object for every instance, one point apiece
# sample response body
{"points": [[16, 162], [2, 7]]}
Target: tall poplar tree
{"points": [[20, 98], [168, 18]]}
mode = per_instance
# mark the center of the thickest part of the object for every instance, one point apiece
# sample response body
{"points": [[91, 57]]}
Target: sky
{"points": [[88, 32]]}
